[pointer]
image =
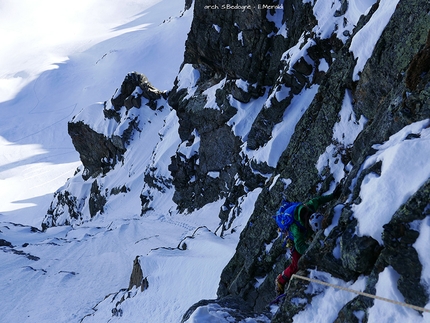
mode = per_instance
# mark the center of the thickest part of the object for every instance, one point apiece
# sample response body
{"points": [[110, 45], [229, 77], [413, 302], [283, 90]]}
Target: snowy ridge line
{"points": [[317, 281]]}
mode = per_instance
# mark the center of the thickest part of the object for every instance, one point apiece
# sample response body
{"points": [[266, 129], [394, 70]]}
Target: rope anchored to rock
{"points": [[317, 281]]}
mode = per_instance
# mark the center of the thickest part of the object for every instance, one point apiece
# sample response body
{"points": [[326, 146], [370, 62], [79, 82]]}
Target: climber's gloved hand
{"points": [[280, 282], [289, 243]]}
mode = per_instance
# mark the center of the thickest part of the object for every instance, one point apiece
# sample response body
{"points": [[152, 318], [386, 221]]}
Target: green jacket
{"points": [[301, 236]]}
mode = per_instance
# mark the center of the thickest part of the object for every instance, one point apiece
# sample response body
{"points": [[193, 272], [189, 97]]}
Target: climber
{"points": [[305, 223]]}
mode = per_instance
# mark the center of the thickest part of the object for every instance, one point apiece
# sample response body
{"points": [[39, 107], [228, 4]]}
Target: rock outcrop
{"points": [[98, 153], [101, 146], [391, 93]]}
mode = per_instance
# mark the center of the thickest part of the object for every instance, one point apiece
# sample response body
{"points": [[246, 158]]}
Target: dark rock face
{"points": [[64, 203], [221, 51], [399, 237], [419, 66], [5, 243], [67, 208], [97, 152], [211, 173], [97, 200], [136, 278], [358, 254], [246, 48]]}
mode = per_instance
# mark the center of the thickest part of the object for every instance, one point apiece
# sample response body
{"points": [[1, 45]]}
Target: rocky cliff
{"points": [[289, 97], [390, 93]]}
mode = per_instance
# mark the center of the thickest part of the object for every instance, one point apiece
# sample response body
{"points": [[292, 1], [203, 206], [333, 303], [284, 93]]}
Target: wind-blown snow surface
{"points": [[79, 272], [62, 56]]}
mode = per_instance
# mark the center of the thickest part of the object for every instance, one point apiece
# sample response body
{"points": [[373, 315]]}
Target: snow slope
{"points": [[84, 50], [65, 56]]}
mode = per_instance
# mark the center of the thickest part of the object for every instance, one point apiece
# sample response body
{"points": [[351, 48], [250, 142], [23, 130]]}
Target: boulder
{"points": [[358, 254]]}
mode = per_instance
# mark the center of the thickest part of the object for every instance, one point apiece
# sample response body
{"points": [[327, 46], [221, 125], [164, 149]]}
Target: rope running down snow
{"points": [[421, 309]]}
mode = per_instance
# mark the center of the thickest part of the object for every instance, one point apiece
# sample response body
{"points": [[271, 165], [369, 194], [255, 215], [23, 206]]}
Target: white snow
{"points": [[241, 122], [421, 245], [337, 212], [345, 131], [276, 16], [211, 95], [387, 312], [298, 51], [405, 168], [240, 37], [190, 150], [370, 34], [187, 79], [323, 66], [364, 41], [282, 132], [328, 301], [348, 128], [329, 20], [217, 28]]}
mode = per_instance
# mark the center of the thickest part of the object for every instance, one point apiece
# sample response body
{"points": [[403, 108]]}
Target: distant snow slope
{"points": [[62, 56]]}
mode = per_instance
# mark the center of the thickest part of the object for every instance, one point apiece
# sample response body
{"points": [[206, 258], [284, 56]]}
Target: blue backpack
{"points": [[285, 217]]}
